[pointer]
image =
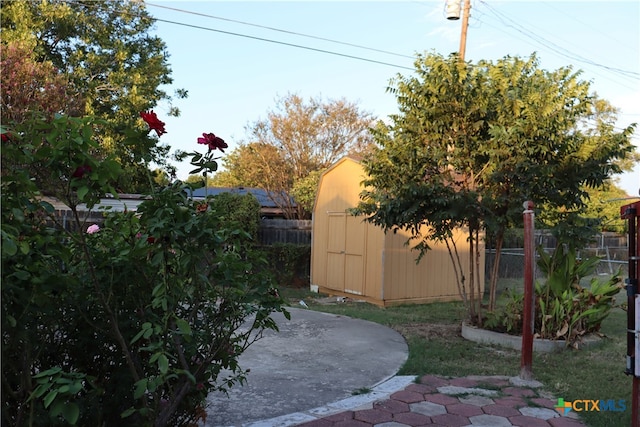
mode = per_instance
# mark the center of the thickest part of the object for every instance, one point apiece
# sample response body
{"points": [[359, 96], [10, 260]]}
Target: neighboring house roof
{"points": [[260, 194], [124, 201], [131, 201], [266, 198]]}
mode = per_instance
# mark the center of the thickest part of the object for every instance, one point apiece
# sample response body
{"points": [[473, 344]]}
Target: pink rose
{"points": [[93, 229]]}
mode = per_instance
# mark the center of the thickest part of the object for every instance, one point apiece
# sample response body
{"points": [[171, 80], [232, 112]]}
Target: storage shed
{"points": [[353, 258]]}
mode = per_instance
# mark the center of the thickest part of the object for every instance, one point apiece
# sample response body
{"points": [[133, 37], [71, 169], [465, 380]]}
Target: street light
{"points": [[453, 14], [453, 10]]}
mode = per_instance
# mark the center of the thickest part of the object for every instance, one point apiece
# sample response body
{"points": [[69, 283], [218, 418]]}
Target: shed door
{"points": [[345, 253]]}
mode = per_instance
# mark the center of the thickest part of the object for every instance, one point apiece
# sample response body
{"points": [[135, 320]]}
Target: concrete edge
{"points": [[484, 336], [380, 391]]}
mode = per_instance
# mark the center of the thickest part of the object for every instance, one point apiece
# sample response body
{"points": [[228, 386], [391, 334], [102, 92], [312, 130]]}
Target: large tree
{"points": [[297, 138], [107, 53], [32, 87], [472, 142], [604, 204]]}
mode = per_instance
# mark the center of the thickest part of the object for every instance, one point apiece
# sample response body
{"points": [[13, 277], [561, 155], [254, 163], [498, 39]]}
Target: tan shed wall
{"points": [[375, 256], [354, 258], [433, 278]]}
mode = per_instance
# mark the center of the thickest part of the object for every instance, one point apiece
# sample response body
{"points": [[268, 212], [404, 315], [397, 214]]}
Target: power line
{"points": [[591, 27], [500, 16], [344, 55], [282, 31], [504, 19], [528, 40], [544, 42], [280, 42]]}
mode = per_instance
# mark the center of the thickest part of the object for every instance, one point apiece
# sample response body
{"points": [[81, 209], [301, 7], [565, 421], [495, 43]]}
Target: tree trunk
{"points": [[475, 311], [495, 269], [477, 267]]}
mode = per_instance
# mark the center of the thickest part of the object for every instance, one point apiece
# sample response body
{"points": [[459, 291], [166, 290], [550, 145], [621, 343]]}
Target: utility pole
{"points": [[453, 14]]}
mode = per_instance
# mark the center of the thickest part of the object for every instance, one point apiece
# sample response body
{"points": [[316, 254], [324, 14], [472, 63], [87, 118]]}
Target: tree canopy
{"points": [[110, 59], [472, 142], [296, 139]]}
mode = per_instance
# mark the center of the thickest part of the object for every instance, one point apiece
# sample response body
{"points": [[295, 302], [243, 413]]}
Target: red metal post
{"points": [[632, 214], [529, 295]]}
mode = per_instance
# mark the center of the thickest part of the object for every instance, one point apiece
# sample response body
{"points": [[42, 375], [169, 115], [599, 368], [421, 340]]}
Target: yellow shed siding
{"points": [[373, 260], [432, 278], [352, 257]]}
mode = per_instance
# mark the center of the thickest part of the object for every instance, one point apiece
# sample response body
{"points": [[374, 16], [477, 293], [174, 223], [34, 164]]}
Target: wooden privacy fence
{"points": [[270, 231], [294, 231]]}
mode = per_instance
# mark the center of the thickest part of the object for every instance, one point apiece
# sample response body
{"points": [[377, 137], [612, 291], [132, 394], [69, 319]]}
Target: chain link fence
{"points": [[611, 248]]}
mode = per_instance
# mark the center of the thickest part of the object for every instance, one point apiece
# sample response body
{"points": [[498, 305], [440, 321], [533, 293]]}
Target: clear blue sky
{"points": [[233, 78]]}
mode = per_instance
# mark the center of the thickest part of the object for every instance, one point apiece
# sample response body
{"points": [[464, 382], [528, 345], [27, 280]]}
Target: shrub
{"points": [[564, 309], [132, 322], [239, 211], [289, 263]]}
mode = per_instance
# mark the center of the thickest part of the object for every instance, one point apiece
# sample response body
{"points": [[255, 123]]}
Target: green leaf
{"points": [[40, 390], [137, 336], [163, 364], [128, 412], [147, 333], [82, 192], [18, 214], [12, 321], [50, 398], [141, 387], [158, 290], [71, 412], [24, 247], [75, 387], [184, 327], [56, 408], [48, 207], [22, 275], [211, 165], [9, 247], [48, 372]]}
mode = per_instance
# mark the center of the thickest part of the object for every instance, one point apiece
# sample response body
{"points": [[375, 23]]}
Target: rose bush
{"points": [[131, 322]]}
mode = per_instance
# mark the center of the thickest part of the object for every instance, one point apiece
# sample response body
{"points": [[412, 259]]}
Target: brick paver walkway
{"points": [[456, 402]]}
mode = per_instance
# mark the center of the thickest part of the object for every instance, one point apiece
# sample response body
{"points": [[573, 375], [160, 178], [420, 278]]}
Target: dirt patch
{"points": [[428, 330], [335, 300]]}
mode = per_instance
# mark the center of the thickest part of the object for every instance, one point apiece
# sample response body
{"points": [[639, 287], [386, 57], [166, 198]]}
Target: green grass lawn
{"points": [[436, 347]]}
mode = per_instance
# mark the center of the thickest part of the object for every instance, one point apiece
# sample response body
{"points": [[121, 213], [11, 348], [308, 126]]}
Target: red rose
{"points": [[214, 142], [81, 171], [154, 123], [202, 207]]}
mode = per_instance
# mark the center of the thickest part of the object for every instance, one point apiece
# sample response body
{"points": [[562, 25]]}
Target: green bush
{"points": [[133, 322], [238, 211], [564, 309], [289, 263]]}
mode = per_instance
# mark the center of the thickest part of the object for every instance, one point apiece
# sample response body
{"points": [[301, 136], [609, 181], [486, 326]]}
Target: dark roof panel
{"points": [[260, 194]]}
